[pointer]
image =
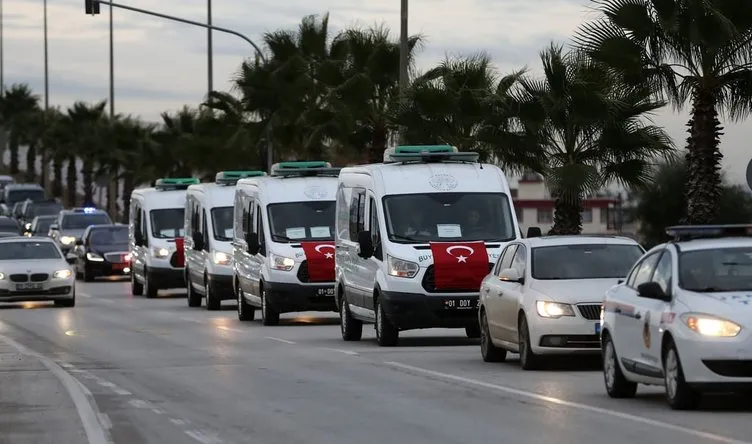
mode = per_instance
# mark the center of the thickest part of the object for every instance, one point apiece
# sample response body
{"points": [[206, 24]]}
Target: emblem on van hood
{"points": [[443, 182], [316, 193]]}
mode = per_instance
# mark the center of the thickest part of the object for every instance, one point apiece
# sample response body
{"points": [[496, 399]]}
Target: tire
{"points": [[617, 385], [679, 395], [246, 311], [137, 288], [212, 302], [87, 275], [149, 290], [472, 331], [387, 334], [194, 299], [528, 359], [488, 350], [269, 316], [351, 328], [67, 303]]}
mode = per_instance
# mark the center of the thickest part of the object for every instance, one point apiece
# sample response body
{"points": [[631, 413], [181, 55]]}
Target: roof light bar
{"points": [[428, 153], [232, 177], [305, 169], [175, 183], [688, 232]]}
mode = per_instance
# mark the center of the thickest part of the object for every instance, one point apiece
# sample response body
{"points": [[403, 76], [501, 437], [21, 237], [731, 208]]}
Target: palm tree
{"points": [[48, 138], [19, 106], [87, 125], [688, 51], [590, 131]]}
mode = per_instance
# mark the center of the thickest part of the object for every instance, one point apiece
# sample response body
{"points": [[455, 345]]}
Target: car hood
{"points": [[109, 248], [33, 266], [72, 233], [735, 306], [574, 291]]}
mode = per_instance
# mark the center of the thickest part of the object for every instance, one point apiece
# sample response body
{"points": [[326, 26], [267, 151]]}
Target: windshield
{"points": [[302, 221], [13, 251], [43, 225], [45, 209], [15, 196], [82, 221], [109, 236], [585, 261], [8, 225], [222, 219], [422, 218], [725, 269], [167, 223]]}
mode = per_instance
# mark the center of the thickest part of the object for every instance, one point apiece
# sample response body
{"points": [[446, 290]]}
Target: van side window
{"points": [[357, 212], [344, 197], [188, 217], [373, 227], [239, 224], [205, 233], [260, 231], [144, 228]]}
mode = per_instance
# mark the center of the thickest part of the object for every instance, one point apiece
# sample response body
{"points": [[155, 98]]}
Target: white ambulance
{"points": [[416, 235], [208, 239], [283, 246], [155, 236]]}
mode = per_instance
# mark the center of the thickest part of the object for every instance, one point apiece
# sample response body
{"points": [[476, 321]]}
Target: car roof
{"points": [[106, 226], [45, 217], [23, 186], [93, 211], [25, 239], [708, 244], [582, 239]]}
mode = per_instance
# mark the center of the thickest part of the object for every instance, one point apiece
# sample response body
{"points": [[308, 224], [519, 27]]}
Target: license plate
{"points": [[461, 304], [597, 328], [28, 286], [118, 266], [325, 292]]}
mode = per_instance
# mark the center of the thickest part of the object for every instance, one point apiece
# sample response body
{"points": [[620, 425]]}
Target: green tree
{"points": [[87, 126], [18, 108]]}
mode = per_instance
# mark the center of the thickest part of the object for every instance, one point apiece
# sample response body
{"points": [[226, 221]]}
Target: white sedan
{"points": [[683, 317], [34, 269], [544, 296]]}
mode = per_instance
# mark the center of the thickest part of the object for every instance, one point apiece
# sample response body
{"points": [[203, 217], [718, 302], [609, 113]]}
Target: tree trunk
{"points": [[703, 159], [45, 170], [31, 163], [72, 181], [87, 173], [57, 176], [112, 193], [13, 143], [567, 217], [378, 145], [129, 183]]}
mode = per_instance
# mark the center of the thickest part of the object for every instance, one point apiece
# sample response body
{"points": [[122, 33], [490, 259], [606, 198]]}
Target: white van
{"points": [[416, 235], [283, 246], [155, 236], [208, 237]]}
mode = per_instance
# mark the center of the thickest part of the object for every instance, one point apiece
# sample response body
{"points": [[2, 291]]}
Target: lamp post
{"points": [[2, 80], [404, 58], [46, 64], [209, 49]]}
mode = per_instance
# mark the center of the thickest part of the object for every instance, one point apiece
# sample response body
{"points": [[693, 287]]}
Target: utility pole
{"points": [[210, 49], [404, 60], [46, 64], [2, 80]]}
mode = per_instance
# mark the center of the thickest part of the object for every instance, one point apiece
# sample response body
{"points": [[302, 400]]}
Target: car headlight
{"points": [[67, 240], [549, 309], [222, 258], [62, 274], [281, 263], [27, 226], [160, 253], [94, 257], [402, 268], [2, 276], [711, 326]]}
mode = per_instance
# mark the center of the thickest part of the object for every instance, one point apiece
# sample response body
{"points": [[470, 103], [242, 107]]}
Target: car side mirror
{"points": [[54, 227], [511, 275], [652, 290], [254, 246], [79, 242], [71, 259], [365, 242], [534, 232]]}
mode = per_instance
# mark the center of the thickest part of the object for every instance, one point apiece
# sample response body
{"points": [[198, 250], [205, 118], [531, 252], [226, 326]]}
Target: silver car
{"points": [[34, 269]]}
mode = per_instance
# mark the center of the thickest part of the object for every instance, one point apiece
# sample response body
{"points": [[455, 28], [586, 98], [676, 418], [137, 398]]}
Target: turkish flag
{"points": [[320, 258], [180, 253], [459, 265]]}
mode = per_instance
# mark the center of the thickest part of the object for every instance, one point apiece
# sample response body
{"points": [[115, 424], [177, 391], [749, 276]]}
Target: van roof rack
{"points": [[305, 169], [428, 154], [231, 177], [175, 183], [688, 232]]}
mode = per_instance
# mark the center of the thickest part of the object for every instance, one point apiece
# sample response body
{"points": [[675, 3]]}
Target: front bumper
{"points": [[716, 363], [221, 285], [51, 292], [166, 278], [107, 268], [410, 311], [289, 297], [566, 335]]}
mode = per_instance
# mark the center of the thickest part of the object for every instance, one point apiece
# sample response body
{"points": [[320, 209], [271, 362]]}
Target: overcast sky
{"points": [[161, 65]]}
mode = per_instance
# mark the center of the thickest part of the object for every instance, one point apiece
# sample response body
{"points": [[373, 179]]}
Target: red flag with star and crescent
{"points": [[179, 253], [459, 265], [320, 259]]}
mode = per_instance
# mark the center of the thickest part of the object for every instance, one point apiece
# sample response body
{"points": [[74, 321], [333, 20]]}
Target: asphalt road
{"points": [[125, 369]]}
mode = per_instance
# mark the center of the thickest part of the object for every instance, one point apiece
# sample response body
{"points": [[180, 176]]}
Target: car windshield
{"points": [[167, 223], [13, 251], [584, 261], [422, 218], [222, 219], [109, 236], [716, 270], [45, 209], [83, 221], [43, 225], [8, 225], [301, 221], [15, 196]]}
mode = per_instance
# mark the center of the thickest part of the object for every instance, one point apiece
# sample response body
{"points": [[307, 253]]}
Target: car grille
{"points": [[429, 283], [303, 272], [591, 312], [34, 277], [115, 258], [39, 277], [19, 277]]}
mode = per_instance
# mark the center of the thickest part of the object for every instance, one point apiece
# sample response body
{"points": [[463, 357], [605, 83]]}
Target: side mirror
{"points": [[534, 232], [79, 242], [511, 275], [254, 246], [54, 227], [71, 259], [651, 290], [366, 244]]}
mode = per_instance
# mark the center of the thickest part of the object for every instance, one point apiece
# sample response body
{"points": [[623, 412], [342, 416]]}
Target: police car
{"points": [[683, 317], [71, 224]]}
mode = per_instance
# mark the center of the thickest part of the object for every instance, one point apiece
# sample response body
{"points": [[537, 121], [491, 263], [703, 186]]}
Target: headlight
{"points": [[27, 226], [2, 276], [94, 257], [548, 309], [160, 253], [67, 240], [280, 262], [222, 258], [402, 268], [711, 326], [62, 274]]}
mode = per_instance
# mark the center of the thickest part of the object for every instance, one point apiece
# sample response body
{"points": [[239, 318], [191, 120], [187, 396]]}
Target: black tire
{"points": [[137, 288], [246, 311], [387, 335], [679, 395], [67, 303], [617, 385], [150, 290], [87, 275], [488, 350], [528, 359], [269, 316], [194, 299], [472, 331], [213, 303], [351, 328]]}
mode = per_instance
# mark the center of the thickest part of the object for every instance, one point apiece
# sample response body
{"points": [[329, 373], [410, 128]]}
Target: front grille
{"points": [[19, 277], [429, 282], [591, 312], [39, 277], [736, 368], [571, 341], [115, 258], [303, 272]]}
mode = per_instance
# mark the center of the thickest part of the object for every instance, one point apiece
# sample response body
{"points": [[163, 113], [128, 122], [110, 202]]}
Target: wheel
{"points": [[213, 303], [679, 394], [528, 359], [194, 299], [137, 288], [352, 329], [617, 385], [387, 334], [268, 315], [488, 350], [67, 302], [472, 331], [149, 290], [246, 311], [87, 275]]}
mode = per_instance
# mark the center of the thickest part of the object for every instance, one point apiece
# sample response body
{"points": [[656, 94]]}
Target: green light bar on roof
{"points": [[305, 169], [232, 177], [428, 154], [175, 183], [301, 165], [416, 149]]}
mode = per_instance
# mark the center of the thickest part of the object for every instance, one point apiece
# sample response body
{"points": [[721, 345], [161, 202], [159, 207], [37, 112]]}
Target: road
{"points": [[156, 371]]}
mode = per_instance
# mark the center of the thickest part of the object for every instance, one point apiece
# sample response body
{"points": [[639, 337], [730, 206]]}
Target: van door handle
{"points": [[500, 293], [637, 316], [617, 310]]}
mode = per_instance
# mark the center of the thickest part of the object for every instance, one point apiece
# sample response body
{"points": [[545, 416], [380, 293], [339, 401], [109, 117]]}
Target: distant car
{"points": [[5, 180], [102, 251], [30, 210], [15, 212], [34, 269], [40, 226], [70, 225], [10, 225], [19, 192]]}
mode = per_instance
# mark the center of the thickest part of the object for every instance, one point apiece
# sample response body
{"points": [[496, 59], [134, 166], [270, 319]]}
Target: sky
{"points": [[161, 65]]}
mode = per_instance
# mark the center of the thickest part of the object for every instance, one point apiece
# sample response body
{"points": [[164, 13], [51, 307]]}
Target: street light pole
{"points": [[2, 80], [404, 59], [210, 49], [46, 65], [112, 66]]}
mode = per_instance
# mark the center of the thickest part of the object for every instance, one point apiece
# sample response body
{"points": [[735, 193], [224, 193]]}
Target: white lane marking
{"points": [[236, 330], [139, 404], [121, 392], [96, 431], [178, 422], [66, 365], [339, 350], [203, 437], [158, 411], [186, 318], [279, 340], [562, 402], [84, 295], [104, 383]]}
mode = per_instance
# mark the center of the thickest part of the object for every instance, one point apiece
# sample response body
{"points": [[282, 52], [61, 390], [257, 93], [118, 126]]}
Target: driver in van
{"points": [[473, 227], [417, 225]]}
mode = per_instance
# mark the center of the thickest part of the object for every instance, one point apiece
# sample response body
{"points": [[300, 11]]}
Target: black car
{"points": [[102, 251], [31, 209], [40, 226], [10, 225]]}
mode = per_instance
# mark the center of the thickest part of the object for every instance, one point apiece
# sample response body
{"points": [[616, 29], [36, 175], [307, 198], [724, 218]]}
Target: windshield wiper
{"points": [[404, 238], [706, 289], [281, 238]]}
